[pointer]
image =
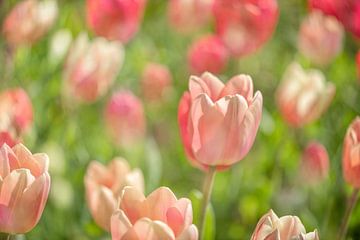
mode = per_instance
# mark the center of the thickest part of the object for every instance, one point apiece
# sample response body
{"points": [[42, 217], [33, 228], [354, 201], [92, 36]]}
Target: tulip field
{"points": [[179, 119]]}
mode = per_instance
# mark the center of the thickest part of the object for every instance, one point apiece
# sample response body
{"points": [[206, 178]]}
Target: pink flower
{"points": [[104, 185], [245, 25], [156, 82], [320, 38], [189, 15], [25, 185], [125, 120], [115, 19], [271, 227], [91, 68], [207, 54], [28, 21], [218, 122], [159, 216], [303, 95]]}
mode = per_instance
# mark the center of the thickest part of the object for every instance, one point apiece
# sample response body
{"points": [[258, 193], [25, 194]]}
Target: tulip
{"points": [[245, 25], [271, 227], [124, 117], [25, 185], [28, 21], [303, 95], [156, 82], [104, 185], [115, 19], [91, 68], [320, 38], [207, 54], [189, 15], [159, 216]]}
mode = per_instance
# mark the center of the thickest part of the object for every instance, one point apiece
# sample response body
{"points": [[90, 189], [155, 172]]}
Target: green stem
{"points": [[207, 189], [6, 236], [350, 207]]}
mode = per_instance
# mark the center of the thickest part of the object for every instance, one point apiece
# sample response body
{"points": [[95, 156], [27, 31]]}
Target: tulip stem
{"points": [[5, 236], [350, 207], [207, 189]]}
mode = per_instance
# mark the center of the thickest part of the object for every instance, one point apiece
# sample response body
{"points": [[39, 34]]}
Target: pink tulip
{"points": [[320, 38], [156, 82], [218, 122], [104, 185], [115, 19], [303, 95], [189, 15], [28, 21], [207, 54], [125, 120], [25, 185], [159, 216], [91, 68], [245, 25], [271, 227]]}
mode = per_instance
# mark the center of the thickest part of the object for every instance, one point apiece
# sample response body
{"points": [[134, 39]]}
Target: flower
{"points": [[218, 123], [320, 38], [159, 216], [115, 19], [28, 21], [104, 185], [245, 25], [59, 45], [207, 54], [303, 95], [124, 117], [91, 68], [270, 227], [25, 185]]}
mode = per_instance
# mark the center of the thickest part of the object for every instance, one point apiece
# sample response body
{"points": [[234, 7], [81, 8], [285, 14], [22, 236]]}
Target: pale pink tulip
{"points": [[320, 38], [159, 216], [189, 15], [104, 185], [25, 185], [245, 25], [218, 122], [303, 95], [271, 227], [207, 54], [115, 19], [28, 21], [91, 68], [125, 120]]}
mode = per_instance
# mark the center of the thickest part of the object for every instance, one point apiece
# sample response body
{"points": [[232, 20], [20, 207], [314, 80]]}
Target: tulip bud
{"points": [[124, 117], [104, 185], [24, 187], [91, 68], [28, 21], [115, 19], [159, 216], [303, 95], [207, 54]]}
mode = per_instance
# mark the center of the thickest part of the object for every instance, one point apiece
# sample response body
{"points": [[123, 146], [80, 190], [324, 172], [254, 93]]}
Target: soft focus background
{"points": [[267, 178]]}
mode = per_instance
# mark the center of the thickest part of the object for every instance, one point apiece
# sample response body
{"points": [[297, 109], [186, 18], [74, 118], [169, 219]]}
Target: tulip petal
{"points": [[132, 203], [103, 204], [179, 216], [159, 201], [120, 224], [7, 159], [136, 179], [191, 233], [241, 84], [290, 226], [37, 164], [145, 229]]}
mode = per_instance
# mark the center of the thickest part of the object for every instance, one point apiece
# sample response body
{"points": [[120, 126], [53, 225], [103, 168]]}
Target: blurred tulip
{"points": [[207, 54], [189, 15], [159, 216], [28, 21], [25, 185], [245, 25], [303, 95], [91, 68], [218, 123], [156, 82], [320, 38], [59, 45], [270, 227], [115, 19], [125, 120], [104, 185]]}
